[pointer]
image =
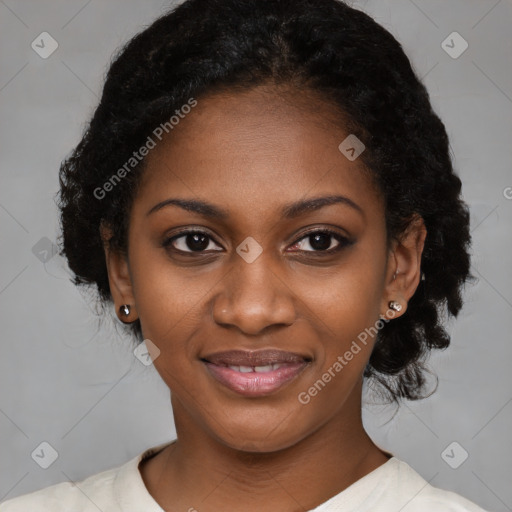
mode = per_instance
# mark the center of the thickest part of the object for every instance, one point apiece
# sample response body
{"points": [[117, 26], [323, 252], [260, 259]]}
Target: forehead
{"points": [[256, 149]]}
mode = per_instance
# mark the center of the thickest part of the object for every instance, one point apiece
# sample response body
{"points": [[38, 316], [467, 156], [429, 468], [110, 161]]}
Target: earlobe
{"points": [[125, 312]]}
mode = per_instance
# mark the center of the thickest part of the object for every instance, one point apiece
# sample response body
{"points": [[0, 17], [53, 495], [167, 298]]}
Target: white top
{"points": [[391, 487]]}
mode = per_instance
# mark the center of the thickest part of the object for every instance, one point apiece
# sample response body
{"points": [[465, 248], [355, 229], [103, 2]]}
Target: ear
{"points": [[118, 277], [403, 272]]}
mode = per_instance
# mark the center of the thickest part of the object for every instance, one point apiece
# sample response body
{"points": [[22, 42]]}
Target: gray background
{"points": [[75, 384]]}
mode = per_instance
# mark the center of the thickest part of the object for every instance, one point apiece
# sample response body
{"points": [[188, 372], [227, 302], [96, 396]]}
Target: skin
{"points": [[251, 153]]}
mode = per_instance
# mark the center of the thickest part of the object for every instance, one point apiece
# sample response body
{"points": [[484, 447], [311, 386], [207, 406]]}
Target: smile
{"points": [[257, 373]]}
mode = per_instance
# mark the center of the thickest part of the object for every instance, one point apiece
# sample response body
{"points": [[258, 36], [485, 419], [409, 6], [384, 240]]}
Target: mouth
{"points": [[256, 373]]}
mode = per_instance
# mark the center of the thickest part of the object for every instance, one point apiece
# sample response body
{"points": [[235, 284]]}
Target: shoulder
{"points": [[91, 494], [417, 495], [118, 489]]}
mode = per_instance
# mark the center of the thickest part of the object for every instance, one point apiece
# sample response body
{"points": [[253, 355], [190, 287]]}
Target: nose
{"points": [[254, 297]]}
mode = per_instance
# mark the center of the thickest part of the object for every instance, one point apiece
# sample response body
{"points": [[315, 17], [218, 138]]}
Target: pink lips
{"points": [[255, 373]]}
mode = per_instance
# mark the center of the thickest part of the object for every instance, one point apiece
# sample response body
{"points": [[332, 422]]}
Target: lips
{"points": [[254, 358], [255, 373]]}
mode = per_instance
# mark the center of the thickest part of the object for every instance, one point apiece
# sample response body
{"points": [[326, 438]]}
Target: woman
{"points": [[266, 196]]}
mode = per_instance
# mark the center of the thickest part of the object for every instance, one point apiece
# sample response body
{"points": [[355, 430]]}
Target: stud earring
{"points": [[395, 306], [125, 309]]}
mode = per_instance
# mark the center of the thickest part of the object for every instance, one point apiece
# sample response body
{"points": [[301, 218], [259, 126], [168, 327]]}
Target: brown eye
{"points": [[190, 242], [321, 241]]}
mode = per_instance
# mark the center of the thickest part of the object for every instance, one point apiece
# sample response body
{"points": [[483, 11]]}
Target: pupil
{"points": [[200, 242], [320, 246]]}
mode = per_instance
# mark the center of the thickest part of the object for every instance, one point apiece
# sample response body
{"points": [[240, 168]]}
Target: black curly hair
{"points": [[323, 46]]}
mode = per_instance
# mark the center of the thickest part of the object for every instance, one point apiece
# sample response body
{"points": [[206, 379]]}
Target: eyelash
{"points": [[343, 241]]}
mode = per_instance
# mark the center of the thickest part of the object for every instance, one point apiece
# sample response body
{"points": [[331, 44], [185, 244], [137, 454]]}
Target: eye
{"points": [[190, 242], [321, 241], [197, 241]]}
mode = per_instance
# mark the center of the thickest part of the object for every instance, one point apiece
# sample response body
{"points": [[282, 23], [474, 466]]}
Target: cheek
{"points": [[349, 316], [167, 298], [345, 301], [346, 309]]}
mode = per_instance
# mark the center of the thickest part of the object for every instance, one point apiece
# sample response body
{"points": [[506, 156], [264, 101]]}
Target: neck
{"points": [[199, 465]]}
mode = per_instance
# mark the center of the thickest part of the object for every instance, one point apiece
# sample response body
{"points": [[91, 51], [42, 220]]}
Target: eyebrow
{"points": [[298, 208], [289, 211]]}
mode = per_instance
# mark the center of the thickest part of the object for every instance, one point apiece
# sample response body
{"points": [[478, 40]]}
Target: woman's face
{"points": [[255, 279]]}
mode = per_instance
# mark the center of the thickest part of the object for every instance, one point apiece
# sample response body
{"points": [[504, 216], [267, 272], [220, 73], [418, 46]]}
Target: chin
{"points": [[264, 439], [259, 446]]}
